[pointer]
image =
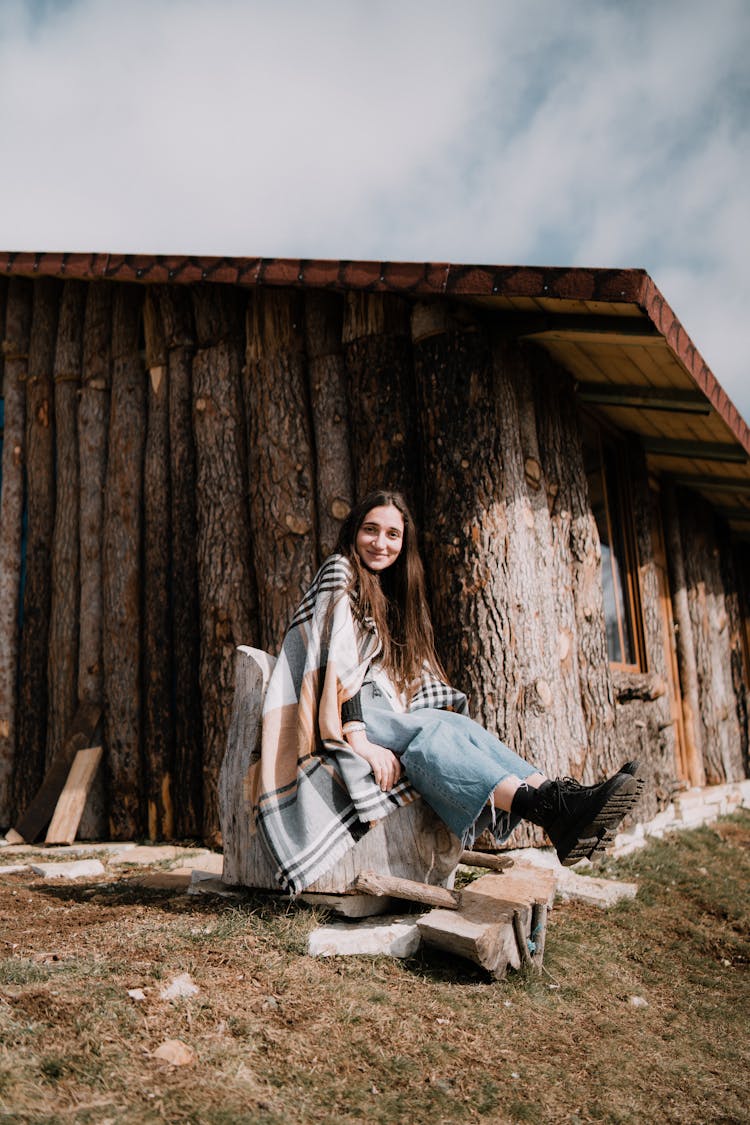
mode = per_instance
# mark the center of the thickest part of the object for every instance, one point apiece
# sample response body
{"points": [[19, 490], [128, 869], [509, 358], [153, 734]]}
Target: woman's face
{"points": [[380, 537]]}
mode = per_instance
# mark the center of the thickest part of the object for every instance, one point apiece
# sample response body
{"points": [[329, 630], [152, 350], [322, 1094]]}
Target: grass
{"points": [[280, 1037]]}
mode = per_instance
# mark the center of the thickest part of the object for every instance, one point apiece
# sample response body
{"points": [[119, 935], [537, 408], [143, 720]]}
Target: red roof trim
{"points": [[413, 279]]}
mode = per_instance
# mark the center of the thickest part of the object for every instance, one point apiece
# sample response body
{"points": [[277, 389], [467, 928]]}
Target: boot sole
{"points": [[588, 838]]}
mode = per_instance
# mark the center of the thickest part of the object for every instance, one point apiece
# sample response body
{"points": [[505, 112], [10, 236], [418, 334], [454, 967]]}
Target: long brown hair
{"points": [[395, 599]]}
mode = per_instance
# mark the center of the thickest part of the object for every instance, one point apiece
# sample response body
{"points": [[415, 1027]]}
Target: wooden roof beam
{"points": [[672, 399], [714, 484], [578, 326], [696, 450]]}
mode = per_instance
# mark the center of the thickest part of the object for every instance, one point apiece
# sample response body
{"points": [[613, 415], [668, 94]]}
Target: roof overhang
{"points": [[632, 360]]}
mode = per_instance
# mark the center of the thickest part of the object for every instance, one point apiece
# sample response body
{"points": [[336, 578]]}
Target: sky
{"points": [[611, 133]]}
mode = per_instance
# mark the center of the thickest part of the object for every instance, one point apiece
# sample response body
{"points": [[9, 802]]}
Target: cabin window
{"points": [[608, 479]]}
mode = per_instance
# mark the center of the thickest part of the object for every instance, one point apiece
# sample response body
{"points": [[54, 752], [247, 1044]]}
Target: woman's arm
{"points": [[385, 765]]}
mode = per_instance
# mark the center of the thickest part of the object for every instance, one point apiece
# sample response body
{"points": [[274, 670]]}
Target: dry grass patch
{"points": [[279, 1037]]}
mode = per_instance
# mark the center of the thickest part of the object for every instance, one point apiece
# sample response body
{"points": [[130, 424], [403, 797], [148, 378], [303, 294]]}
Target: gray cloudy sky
{"points": [[552, 132]]}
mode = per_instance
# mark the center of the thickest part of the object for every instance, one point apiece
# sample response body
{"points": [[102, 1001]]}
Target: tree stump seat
{"points": [[411, 842]]}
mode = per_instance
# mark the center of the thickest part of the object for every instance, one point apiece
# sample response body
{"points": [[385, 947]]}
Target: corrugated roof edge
{"points": [[416, 279]]}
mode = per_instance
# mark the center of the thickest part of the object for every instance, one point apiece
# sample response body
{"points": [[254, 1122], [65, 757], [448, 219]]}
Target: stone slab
{"points": [[208, 883], [387, 936], [595, 892], [146, 854], [13, 868], [212, 862], [75, 869]]}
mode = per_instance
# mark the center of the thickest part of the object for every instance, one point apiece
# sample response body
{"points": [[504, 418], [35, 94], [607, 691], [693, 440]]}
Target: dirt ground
{"points": [[640, 1016]]}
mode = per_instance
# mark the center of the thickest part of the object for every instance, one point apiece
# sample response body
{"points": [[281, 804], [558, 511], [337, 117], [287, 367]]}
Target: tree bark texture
{"points": [[93, 426], [533, 724], [379, 364], [561, 454], [281, 460], [722, 753], [62, 661], [228, 609], [563, 488], [733, 589], [685, 642], [644, 728], [187, 784], [15, 351], [158, 719], [121, 573], [40, 507], [330, 415], [464, 523]]}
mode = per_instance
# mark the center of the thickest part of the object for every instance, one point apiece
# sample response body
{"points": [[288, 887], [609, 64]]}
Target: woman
{"points": [[358, 715]]}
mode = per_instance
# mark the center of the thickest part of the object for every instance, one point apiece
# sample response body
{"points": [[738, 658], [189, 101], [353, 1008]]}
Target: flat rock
{"points": [[212, 862], [389, 937], [13, 868], [595, 892], [207, 883], [146, 854], [76, 869], [178, 880]]}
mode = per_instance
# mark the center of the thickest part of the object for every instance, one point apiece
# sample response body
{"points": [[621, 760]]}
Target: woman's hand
{"points": [[385, 765]]}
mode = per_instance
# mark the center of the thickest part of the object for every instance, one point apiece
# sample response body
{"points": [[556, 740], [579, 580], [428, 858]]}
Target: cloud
{"points": [[598, 134]]}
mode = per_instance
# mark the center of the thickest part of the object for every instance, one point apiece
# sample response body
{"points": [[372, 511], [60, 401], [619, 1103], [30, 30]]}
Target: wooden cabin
{"points": [[182, 437]]}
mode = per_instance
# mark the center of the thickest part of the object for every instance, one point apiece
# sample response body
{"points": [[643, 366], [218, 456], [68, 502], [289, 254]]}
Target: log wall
{"points": [[187, 456]]}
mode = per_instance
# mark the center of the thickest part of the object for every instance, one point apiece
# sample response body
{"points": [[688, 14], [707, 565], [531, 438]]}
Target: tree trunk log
{"points": [[62, 662], [597, 689], [228, 610], [658, 749], [40, 506], [576, 555], [722, 754], [179, 333], [685, 642], [731, 579], [381, 392], [549, 581], [157, 640], [16, 350], [330, 413], [122, 567], [93, 422], [465, 530], [280, 459]]}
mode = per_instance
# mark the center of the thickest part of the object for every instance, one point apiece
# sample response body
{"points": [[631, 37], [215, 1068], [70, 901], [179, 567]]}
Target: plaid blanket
{"points": [[312, 797]]}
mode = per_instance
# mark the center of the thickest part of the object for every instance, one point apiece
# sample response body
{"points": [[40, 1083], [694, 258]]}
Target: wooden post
{"points": [[40, 507], [685, 642], [121, 573], [16, 351], [187, 782], [280, 459], [228, 607], [381, 392], [330, 414], [157, 537], [93, 420], [62, 662]]}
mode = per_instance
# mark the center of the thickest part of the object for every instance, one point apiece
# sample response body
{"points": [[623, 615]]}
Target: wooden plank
{"points": [[706, 451], [39, 812], [69, 809], [650, 398]]}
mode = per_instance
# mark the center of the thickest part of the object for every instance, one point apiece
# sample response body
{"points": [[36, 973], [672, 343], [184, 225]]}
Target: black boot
{"points": [[579, 819]]}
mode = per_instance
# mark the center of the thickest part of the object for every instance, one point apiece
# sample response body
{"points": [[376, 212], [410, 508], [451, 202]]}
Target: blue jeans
{"points": [[452, 762]]}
